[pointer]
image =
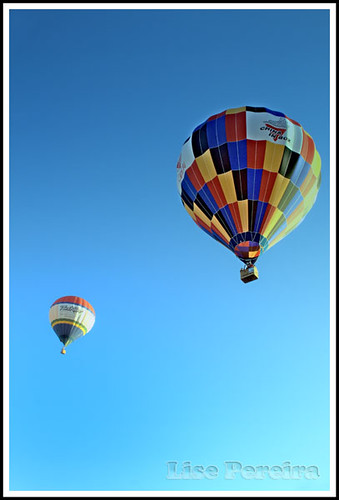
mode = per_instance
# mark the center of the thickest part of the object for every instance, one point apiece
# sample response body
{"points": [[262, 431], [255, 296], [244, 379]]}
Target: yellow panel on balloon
{"points": [[243, 209], [201, 215], [227, 184], [206, 166], [273, 156], [278, 190]]}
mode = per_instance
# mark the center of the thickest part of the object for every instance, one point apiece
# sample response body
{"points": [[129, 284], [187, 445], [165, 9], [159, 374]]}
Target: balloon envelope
{"points": [[248, 176], [71, 317]]}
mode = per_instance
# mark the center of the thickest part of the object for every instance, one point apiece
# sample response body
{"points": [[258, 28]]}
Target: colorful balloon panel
{"points": [[247, 177], [71, 317]]}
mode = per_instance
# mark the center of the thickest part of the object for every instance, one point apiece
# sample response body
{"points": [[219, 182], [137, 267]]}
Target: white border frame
{"points": [[158, 6]]}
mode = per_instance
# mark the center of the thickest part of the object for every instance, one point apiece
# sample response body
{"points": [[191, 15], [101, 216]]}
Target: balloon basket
{"points": [[63, 351], [249, 274]]}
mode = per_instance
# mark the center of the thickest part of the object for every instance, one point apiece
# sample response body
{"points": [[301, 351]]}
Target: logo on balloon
{"points": [[276, 129], [70, 308]]}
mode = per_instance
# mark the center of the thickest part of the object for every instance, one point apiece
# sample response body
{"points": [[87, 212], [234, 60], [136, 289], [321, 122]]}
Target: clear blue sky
{"points": [[185, 362]]}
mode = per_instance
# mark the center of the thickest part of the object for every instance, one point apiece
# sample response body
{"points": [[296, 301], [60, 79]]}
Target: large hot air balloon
{"points": [[71, 318], [247, 177]]}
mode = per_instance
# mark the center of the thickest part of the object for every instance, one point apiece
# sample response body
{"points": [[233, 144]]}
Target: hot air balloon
{"points": [[71, 318], [248, 176]]}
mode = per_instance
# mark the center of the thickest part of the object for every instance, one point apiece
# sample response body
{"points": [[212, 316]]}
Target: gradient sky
{"points": [[185, 362]]}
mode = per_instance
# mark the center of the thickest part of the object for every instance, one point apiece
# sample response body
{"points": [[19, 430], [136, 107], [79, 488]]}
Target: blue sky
{"points": [[185, 362]]}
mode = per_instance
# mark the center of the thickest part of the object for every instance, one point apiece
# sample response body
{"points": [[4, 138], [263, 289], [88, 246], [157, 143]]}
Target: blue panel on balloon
{"points": [[188, 187], [253, 183], [261, 209], [237, 152], [276, 113], [299, 165], [199, 126], [297, 198], [225, 211], [216, 132], [299, 177], [207, 197]]}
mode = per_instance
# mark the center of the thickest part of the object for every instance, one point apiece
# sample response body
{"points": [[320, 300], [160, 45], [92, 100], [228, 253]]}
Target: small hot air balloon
{"points": [[71, 318], [248, 176]]}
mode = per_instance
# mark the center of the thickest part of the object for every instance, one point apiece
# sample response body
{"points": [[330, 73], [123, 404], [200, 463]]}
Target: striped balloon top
{"points": [[71, 299]]}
